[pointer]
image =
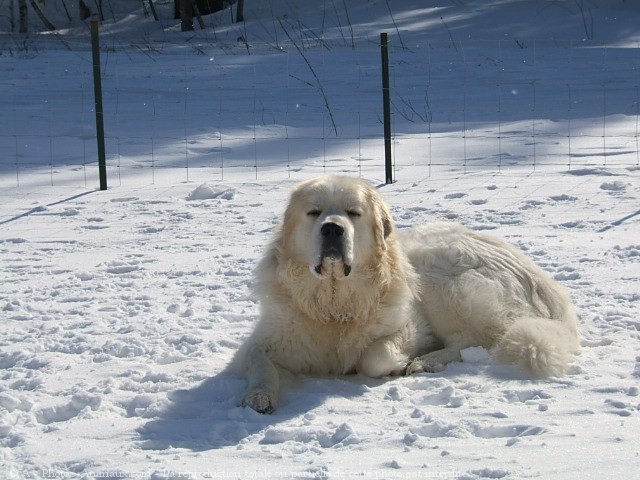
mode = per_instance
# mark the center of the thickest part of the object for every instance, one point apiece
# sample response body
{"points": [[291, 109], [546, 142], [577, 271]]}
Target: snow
{"points": [[474, 355], [207, 192], [119, 309]]}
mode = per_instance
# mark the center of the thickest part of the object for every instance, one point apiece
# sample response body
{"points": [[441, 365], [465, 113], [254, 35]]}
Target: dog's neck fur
{"points": [[342, 300], [329, 300]]}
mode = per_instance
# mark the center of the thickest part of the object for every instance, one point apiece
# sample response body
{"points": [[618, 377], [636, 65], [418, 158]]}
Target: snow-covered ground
{"points": [[120, 308]]}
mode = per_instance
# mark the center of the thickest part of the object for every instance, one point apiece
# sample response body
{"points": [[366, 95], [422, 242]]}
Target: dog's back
{"points": [[477, 289]]}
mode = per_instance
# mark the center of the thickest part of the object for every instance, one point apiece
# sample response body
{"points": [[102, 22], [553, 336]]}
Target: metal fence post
{"points": [[97, 91], [386, 102]]}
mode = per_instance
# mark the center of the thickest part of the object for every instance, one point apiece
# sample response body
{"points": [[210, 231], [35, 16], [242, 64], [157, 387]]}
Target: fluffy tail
{"points": [[544, 340], [544, 347]]}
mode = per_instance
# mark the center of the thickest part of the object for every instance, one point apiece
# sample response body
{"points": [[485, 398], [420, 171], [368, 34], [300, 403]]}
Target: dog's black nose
{"points": [[331, 229]]}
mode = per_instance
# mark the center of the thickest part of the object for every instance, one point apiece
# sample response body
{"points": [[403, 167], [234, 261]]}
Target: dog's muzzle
{"points": [[332, 247]]}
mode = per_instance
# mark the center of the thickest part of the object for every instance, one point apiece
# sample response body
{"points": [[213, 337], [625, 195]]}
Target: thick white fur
{"points": [[476, 289], [411, 302]]}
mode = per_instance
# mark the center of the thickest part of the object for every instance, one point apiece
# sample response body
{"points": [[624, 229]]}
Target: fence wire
{"points": [[205, 113]]}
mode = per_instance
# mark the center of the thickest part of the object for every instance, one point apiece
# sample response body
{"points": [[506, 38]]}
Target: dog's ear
{"points": [[286, 227], [290, 218], [387, 221], [382, 219]]}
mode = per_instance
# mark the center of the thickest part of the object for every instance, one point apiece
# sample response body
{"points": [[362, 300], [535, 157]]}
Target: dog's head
{"points": [[335, 224]]}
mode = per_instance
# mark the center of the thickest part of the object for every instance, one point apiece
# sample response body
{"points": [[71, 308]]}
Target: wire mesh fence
{"points": [[207, 113]]}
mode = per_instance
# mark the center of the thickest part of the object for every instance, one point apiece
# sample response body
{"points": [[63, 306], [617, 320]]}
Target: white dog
{"points": [[342, 291]]}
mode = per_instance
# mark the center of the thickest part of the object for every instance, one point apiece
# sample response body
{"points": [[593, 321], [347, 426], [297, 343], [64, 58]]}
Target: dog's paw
{"points": [[260, 401], [423, 364]]}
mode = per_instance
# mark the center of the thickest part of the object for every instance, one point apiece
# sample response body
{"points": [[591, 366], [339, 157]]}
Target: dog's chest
{"points": [[328, 324], [329, 348], [342, 302]]}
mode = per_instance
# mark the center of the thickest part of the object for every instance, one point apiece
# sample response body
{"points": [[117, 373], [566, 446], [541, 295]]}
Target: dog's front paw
{"points": [[260, 401], [424, 364]]}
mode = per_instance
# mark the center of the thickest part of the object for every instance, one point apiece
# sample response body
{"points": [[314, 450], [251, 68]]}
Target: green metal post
{"points": [[97, 91], [386, 102]]}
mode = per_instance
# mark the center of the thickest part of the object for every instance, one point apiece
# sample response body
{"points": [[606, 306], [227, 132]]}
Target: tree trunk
{"points": [[100, 11], [186, 15], [196, 10], [209, 6], [153, 10], [83, 10], [12, 16], [66, 10], [36, 8], [240, 11], [24, 20]]}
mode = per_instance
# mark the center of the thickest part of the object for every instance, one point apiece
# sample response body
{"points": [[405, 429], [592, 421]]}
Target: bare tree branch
{"points": [[36, 8], [313, 72]]}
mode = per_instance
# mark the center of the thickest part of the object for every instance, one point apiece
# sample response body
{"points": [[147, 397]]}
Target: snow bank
{"points": [[207, 192]]}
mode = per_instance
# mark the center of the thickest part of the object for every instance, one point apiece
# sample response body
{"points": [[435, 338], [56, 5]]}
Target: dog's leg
{"points": [[389, 355], [437, 361], [382, 358], [264, 381]]}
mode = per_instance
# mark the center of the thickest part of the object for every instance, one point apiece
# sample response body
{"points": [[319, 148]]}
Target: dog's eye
{"points": [[353, 213], [314, 213]]}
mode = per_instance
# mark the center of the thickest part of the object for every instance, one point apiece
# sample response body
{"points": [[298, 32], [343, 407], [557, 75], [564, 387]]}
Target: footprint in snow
{"points": [[530, 204], [621, 407], [94, 227], [175, 308], [122, 268], [567, 273], [614, 187], [69, 212], [148, 229], [452, 196], [563, 198], [631, 252], [433, 428], [14, 240], [571, 225], [486, 473], [447, 397], [69, 410], [343, 435], [525, 396]]}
